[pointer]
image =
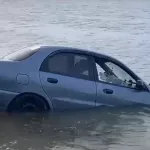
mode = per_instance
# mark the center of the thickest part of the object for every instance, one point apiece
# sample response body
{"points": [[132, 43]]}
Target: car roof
{"points": [[73, 49], [78, 50]]}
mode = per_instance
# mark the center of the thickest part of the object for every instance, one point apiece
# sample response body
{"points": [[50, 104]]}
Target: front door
{"points": [[116, 85], [68, 80]]}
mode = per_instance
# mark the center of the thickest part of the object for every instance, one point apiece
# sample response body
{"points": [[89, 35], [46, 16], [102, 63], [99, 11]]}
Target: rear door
{"points": [[68, 80]]}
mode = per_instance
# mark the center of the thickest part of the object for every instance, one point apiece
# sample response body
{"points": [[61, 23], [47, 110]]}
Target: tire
{"points": [[28, 103]]}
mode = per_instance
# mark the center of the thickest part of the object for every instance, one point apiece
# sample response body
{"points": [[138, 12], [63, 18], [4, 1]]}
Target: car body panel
{"points": [[69, 92], [120, 95], [17, 77], [5, 98], [8, 78]]}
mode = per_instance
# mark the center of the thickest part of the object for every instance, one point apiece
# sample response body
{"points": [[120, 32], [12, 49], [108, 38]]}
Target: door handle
{"points": [[108, 91], [52, 80]]}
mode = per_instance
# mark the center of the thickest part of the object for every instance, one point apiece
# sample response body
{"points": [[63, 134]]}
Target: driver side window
{"points": [[111, 73]]}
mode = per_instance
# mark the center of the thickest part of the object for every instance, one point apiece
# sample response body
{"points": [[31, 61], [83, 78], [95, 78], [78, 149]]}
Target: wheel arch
{"points": [[48, 105]]}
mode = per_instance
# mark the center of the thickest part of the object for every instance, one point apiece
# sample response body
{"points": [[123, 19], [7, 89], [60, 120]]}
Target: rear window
{"points": [[21, 54]]}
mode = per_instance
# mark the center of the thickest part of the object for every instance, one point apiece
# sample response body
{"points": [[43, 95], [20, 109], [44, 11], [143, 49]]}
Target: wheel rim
{"points": [[27, 104], [29, 107]]}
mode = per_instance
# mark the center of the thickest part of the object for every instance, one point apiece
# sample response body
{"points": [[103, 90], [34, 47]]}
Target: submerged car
{"points": [[51, 78]]}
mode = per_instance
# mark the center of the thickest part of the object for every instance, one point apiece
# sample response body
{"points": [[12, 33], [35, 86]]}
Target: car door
{"points": [[68, 80], [116, 84]]}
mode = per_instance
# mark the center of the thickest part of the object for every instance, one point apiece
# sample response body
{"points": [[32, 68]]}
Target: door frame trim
{"points": [[88, 54], [120, 65]]}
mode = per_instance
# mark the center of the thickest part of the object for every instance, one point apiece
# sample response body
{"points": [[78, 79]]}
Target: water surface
{"points": [[120, 28]]}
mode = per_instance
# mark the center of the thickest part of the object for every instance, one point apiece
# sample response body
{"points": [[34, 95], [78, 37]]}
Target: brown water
{"points": [[120, 28]]}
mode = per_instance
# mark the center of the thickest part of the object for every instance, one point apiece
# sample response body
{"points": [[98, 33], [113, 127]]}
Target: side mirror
{"points": [[140, 85]]}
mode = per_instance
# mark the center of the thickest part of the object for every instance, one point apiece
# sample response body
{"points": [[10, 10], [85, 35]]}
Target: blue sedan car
{"points": [[50, 78]]}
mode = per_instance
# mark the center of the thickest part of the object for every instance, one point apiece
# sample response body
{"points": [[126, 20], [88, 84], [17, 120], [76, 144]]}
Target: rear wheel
{"points": [[28, 103]]}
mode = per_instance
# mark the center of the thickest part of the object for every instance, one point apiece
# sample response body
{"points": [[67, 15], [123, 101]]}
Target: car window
{"points": [[70, 64], [58, 64], [112, 73]]}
